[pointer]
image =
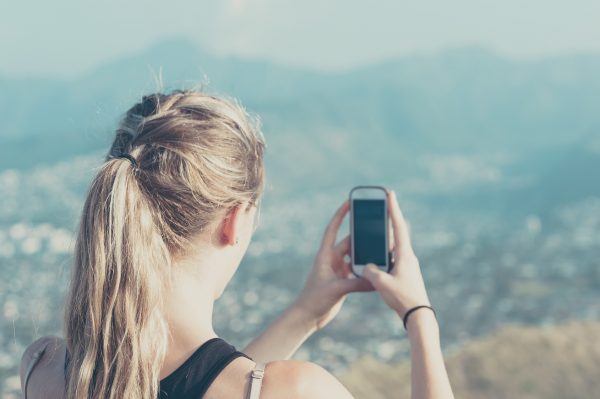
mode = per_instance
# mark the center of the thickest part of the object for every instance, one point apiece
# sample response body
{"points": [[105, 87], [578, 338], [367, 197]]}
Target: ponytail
{"points": [[189, 156], [115, 329]]}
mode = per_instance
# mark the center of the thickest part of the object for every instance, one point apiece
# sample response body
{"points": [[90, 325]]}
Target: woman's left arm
{"points": [[324, 292], [281, 338]]}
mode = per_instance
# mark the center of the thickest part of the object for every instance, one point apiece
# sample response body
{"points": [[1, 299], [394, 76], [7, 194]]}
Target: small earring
{"points": [[237, 240]]}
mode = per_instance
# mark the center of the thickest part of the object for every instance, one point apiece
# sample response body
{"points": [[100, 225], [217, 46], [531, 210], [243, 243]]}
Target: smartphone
{"points": [[369, 228]]}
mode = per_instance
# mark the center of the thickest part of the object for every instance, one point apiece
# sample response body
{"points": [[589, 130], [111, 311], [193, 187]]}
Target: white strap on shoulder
{"points": [[256, 378]]}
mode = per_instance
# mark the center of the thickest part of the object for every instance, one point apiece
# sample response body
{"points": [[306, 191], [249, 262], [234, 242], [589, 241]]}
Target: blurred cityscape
{"points": [[481, 270]]}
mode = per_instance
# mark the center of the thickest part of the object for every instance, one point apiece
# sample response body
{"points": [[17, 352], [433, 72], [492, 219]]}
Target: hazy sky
{"points": [[68, 37]]}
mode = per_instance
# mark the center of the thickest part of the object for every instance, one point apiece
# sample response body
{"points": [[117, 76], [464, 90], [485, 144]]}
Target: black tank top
{"points": [[192, 379]]}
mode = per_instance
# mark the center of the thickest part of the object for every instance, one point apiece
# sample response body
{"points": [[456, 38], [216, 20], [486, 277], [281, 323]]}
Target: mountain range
{"points": [[540, 117]]}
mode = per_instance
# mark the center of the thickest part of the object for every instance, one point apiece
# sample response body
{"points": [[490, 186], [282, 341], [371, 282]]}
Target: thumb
{"points": [[357, 284], [375, 276]]}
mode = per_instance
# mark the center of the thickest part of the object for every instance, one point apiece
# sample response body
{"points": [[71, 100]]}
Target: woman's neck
{"points": [[189, 310]]}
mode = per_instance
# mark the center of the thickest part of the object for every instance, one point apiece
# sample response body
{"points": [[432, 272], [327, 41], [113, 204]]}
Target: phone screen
{"points": [[369, 230]]}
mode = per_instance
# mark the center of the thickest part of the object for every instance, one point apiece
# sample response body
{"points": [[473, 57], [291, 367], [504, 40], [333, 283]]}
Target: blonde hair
{"points": [[196, 155]]}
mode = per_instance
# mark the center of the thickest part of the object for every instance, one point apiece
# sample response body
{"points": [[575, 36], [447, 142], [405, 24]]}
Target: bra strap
{"points": [[256, 381]]}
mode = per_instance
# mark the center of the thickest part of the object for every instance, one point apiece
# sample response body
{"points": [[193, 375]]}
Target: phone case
{"points": [[390, 258]]}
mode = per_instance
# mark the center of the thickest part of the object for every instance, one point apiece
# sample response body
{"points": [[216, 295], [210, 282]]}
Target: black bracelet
{"points": [[409, 311]]}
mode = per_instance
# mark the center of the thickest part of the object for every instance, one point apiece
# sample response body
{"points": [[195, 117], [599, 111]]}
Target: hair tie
{"points": [[409, 311]]}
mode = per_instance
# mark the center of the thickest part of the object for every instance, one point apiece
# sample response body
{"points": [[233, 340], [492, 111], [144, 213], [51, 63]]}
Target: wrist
{"points": [[301, 318], [422, 321]]}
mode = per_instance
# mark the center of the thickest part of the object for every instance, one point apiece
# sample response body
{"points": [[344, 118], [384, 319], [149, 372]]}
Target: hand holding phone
{"points": [[329, 279], [403, 287]]}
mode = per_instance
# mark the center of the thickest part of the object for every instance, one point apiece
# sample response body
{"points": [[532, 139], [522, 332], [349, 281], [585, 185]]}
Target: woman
{"points": [[165, 224]]}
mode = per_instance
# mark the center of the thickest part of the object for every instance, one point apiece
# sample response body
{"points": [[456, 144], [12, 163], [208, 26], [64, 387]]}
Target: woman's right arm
{"points": [[402, 289], [428, 373]]}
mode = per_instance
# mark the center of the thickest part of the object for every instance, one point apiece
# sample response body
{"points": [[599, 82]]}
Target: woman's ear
{"points": [[230, 226]]}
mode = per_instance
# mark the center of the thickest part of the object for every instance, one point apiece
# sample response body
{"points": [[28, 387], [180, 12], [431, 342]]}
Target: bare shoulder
{"points": [[51, 363], [33, 347], [295, 379]]}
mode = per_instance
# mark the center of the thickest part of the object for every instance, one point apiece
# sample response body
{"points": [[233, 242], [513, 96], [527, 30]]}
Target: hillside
{"points": [[465, 100], [555, 362]]}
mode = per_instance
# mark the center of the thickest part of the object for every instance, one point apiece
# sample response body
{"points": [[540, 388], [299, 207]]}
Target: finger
{"points": [[343, 251], [343, 247], [342, 261], [390, 235], [401, 234], [334, 225], [347, 285], [341, 269], [346, 269], [375, 276]]}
